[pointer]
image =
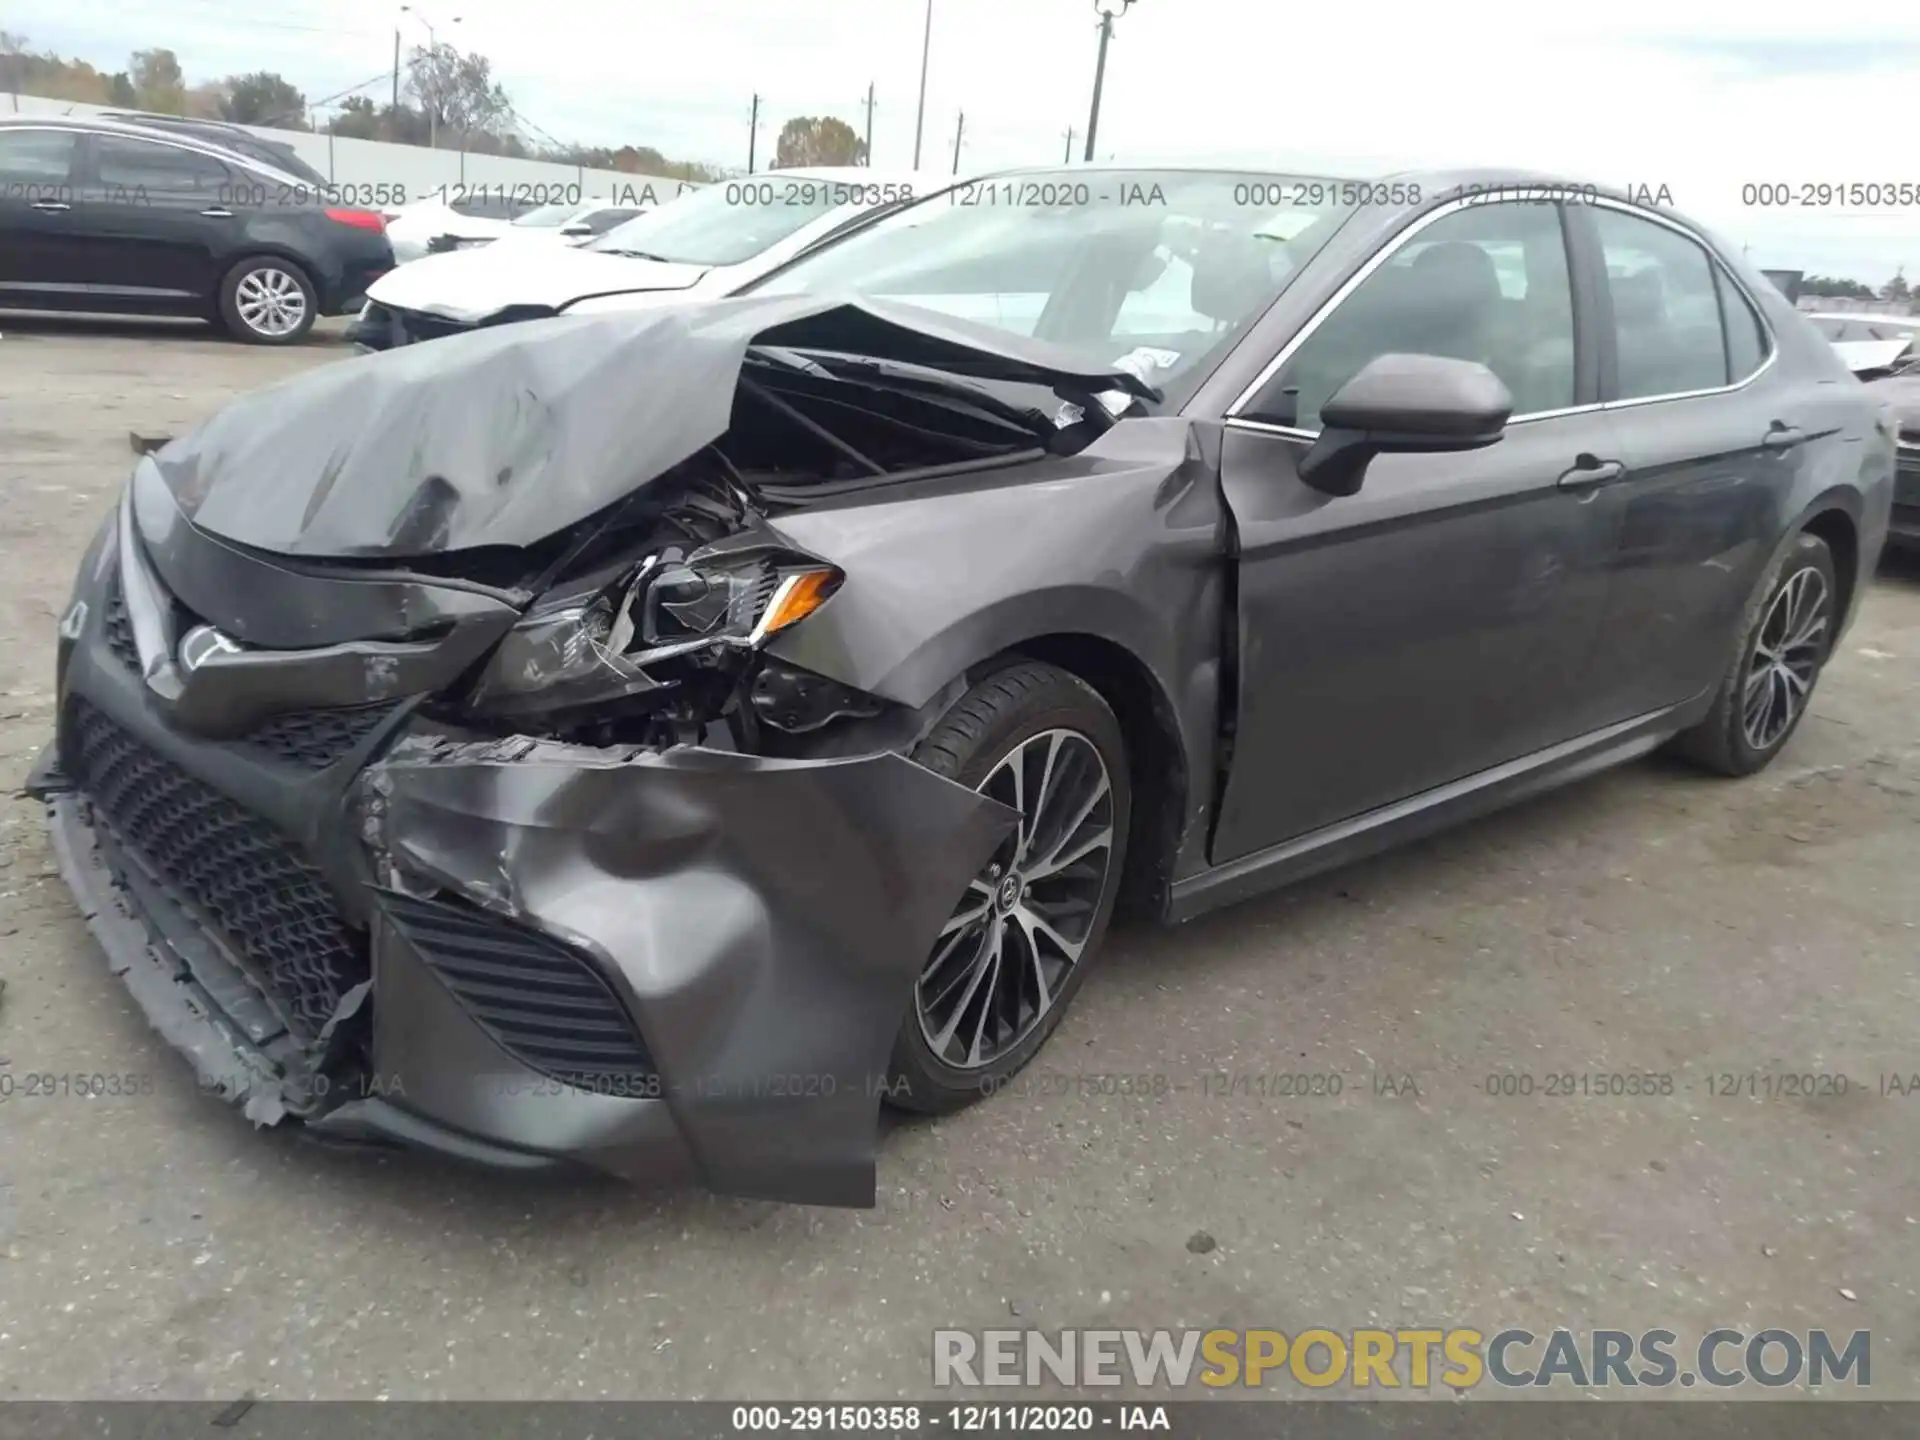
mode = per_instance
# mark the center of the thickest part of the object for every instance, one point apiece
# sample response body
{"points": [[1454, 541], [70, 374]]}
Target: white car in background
{"points": [[568, 223], [476, 214], [1869, 344], [703, 245]]}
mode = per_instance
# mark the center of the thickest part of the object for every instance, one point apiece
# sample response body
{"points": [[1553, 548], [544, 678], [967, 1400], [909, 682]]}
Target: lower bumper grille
{"points": [[315, 739], [543, 1004], [272, 907], [118, 627]]}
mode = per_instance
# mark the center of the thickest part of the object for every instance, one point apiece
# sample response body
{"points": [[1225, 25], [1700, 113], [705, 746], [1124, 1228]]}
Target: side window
{"points": [[123, 164], [1747, 342], [36, 158], [1666, 309], [1488, 283]]}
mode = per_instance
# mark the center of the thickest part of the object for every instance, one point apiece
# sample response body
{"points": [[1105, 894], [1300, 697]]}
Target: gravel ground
{"points": [[1651, 920]]}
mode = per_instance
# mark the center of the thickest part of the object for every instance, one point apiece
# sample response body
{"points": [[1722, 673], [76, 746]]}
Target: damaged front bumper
{"points": [[679, 965]]}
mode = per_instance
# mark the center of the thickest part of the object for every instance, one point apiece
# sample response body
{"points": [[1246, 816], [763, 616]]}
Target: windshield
{"points": [[722, 224], [1152, 271], [546, 217]]}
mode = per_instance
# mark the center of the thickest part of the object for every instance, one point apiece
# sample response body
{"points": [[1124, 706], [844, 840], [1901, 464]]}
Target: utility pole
{"points": [[753, 134], [1107, 17], [1071, 132], [393, 110], [920, 121], [958, 131], [869, 125]]}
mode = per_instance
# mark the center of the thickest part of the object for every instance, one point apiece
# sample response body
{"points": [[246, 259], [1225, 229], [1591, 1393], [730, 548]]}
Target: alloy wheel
{"points": [[1786, 657], [1004, 956], [270, 302]]}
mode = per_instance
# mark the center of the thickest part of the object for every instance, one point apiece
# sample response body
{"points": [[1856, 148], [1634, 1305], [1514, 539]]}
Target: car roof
{"points": [[153, 117], [107, 125]]}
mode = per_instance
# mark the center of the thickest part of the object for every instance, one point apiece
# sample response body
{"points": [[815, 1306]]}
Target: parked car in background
{"points": [[237, 138], [1871, 345], [651, 740], [1901, 393], [454, 213], [571, 223], [110, 217], [706, 243]]}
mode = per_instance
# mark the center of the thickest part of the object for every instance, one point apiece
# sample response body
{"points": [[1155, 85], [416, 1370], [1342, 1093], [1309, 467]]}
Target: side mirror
{"points": [[576, 229], [1401, 404]]}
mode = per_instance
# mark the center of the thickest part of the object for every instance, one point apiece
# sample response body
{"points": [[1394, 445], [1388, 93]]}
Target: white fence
{"points": [[415, 171]]}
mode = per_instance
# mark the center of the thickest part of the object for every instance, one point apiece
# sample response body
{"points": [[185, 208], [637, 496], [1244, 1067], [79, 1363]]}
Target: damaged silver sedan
{"points": [[656, 740]]}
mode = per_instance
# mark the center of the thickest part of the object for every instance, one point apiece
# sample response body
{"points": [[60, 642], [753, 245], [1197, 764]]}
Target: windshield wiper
{"points": [[638, 255]]}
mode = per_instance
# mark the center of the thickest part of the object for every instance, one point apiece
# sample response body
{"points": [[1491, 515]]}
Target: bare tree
{"points": [[456, 91]]}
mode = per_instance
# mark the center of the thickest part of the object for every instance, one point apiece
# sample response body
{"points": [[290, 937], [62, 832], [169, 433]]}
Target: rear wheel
{"points": [[1021, 938], [267, 301], [1789, 631]]}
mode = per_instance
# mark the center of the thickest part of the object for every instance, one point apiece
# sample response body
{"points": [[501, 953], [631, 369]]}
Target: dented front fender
{"points": [[762, 920]]}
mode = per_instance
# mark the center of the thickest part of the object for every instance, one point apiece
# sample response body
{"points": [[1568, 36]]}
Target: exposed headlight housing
{"points": [[590, 648]]}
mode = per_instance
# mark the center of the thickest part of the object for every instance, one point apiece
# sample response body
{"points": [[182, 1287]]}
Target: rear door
{"points": [[159, 219], [1441, 621], [39, 263], [1713, 431]]}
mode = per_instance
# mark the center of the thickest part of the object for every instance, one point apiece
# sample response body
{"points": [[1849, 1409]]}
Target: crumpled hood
{"points": [[511, 433], [470, 285]]}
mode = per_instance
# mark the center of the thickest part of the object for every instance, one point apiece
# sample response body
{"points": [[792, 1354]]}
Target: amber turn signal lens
{"points": [[798, 596]]}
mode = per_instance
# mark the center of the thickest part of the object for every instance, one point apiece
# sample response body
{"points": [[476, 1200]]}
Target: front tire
{"points": [[1787, 634], [1022, 938], [268, 301]]}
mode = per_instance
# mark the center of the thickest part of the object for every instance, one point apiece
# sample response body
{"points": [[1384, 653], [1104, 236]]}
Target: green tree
{"points": [[158, 84], [1833, 285], [264, 98], [817, 140], [358, 119], [1897, 288]]}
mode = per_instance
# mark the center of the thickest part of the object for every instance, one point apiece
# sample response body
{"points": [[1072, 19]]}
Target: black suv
{"points": [[107, 216]]}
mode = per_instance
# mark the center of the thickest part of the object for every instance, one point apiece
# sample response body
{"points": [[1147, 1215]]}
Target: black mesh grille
{"points": [[271, 906], [418, 325], [317, 738], [545, 1005], [119, 626]]}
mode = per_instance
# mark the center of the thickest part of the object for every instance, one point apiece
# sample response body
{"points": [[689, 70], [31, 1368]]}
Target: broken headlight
{"points": [[585, 649]]}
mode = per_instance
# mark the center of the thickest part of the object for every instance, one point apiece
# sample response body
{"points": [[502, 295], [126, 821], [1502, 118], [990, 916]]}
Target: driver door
{"points": [[1443, 620]]}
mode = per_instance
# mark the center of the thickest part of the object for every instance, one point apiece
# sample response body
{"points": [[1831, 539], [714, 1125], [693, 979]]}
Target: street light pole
{"points": [[1107, 17], [926, 50]]}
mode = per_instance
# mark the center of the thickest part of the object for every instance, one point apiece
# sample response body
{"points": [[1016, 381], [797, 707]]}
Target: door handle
{"points": [[51, 205], [1589, 473], [218, 212], [1783, 437]]}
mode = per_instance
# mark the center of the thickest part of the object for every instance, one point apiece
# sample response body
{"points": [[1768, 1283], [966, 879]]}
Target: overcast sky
{"points": [[1701, 97]]}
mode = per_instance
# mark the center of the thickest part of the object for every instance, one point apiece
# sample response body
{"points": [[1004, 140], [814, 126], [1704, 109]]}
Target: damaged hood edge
{"points": [[509, 435]]}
